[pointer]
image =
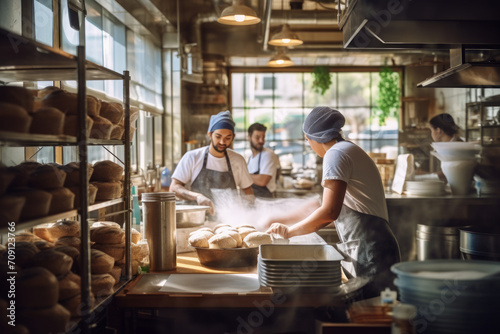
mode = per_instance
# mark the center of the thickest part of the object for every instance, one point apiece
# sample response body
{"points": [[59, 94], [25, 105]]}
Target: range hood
{"points": [[469, 69]]}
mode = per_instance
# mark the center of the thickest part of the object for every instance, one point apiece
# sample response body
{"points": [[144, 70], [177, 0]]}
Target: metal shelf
{"points": [[29, 139], [23, 59]]}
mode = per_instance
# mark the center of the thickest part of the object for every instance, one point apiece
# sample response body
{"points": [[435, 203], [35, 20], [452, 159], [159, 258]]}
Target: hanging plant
{"points": [[322, 79], [388, 95]]}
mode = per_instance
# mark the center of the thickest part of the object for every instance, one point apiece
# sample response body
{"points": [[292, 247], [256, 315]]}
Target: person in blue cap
{"points": [[215, 166], [353, 198]]}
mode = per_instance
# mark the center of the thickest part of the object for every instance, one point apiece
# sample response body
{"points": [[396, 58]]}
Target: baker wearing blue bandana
{"points": [[215, 166], [353, 198]]}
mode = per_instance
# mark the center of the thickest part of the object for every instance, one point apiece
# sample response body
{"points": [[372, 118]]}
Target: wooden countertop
{"points": [[144, 291]]}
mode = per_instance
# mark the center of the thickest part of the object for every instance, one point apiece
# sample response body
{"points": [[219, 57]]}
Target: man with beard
{"points": [[215, 166], [263, 163]]}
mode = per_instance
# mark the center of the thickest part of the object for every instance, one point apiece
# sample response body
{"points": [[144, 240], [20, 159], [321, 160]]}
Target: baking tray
{"points": [[284, 254], [228, 257]]}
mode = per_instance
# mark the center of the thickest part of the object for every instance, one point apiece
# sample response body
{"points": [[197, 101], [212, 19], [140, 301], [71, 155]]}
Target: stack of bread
{"points": [[107, 177], [16, 107], [72, 182], [226, 236]]}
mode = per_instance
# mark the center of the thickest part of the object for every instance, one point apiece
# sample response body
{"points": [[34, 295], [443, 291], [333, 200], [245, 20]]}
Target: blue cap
{"points": [[323, 124], [222, 120]]}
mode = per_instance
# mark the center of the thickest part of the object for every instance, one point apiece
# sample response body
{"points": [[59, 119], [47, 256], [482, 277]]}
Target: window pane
{"points": [[288, 123], [44, 25], [354, 89], [10, 16], [313, 99], [256, 95], [237, 90], [288, 90]]}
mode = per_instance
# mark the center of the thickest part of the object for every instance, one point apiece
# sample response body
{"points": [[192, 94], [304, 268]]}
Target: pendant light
{"points": [[280, 59], [238, 15], [286, 37]]}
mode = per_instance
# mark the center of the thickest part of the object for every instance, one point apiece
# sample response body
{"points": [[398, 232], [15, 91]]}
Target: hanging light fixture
{"points": [[286, 37], [280, 59], [238, 15]]}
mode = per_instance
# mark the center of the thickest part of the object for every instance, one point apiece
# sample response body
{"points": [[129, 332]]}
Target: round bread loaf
{"points": [[102, 285], [93, 106], [17, 95], [116, 272], [236, 236], [72, 170], [24, 255], [132, 131], [45, 320], [202, 229], [74, 304], [37, 202], [47, 121], [71, 251], [255, 239], [111, 111], [96, 225], [101, 128], [222, 241], [36, 287], [26, 236], [92, 193], [10, 209], [65, 228], [75, 278], [62, 100], [56, 262], [21, 177], [43, 245], [71, 125], [47, 177], [244, 231], [62, 200], [69, 241], [225, 229], [42, 231], [46, 91], [108, 235], [107, 171], [14, 118], [218, 226], [107, 190], [27, 244], [100, 262], [116, 251], [117, 132], [68, 288], [136, 235], [30, 165], [200, 239]]}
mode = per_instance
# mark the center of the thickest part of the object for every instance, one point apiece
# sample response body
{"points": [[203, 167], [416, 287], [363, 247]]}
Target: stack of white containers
{"points": [[458, 160], [296, 265]]}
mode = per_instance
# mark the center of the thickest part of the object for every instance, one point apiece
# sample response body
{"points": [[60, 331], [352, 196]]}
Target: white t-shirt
{"points": [[269, 165], [191, 163], [365, 192]]}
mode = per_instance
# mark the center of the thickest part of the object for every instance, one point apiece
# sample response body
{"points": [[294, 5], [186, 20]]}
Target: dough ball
{"points": [[208, 229], [200, 239], [225, 229], [216, 227], [222, 241], [236, 236], [255, 239], [246, 231]]}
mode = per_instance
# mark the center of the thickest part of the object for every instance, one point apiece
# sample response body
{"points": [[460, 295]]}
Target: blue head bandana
{"points": [[323, 124], [222, 120]]}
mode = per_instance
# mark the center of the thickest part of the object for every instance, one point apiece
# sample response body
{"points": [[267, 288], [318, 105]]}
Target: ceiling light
{"points": [[280, 59], [238, 15], [286, 37]]}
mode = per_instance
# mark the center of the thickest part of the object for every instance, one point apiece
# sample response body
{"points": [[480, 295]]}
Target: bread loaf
{"points": [[134, 114], [200, 239], [62, 200], [67, 288], [30, 165], [117, 132], [72, 170], [74, 304], [132, 131], [92, 193], [21, 177], [107, 171], [45, 320], [75, 278], [108, 235], [139, 251], [136, 236], [208, 229], [116, 272], [69, 241], [56, 262], [14, 118], [102, 285], [46, 91], [36, 287], [101, 128], [43, 245], [107, 190], [93, 106], [116, 251], [47, 177], [10, 209], [24, 255], [64, 101], [218, 226], [226, 229], [26, 236], [222, 241], [27, 244], [255, 239], [100, 262], [236, 236], [71, 125], [111, 111], [71, 251], [17, 95], [245, 231], [48, 121], [65, 228], [96, 225], [37, 202]]}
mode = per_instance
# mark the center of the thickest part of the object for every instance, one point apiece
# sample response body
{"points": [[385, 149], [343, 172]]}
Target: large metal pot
{"points": [[228, 257], [190, 215], [480, 243]]}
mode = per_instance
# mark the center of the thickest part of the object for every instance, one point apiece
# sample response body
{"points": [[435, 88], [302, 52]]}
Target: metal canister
{"points": [[160, 228]]}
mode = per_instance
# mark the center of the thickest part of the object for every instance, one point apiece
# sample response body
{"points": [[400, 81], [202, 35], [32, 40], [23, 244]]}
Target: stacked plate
{"points": [[425, 188], [297, 265]]}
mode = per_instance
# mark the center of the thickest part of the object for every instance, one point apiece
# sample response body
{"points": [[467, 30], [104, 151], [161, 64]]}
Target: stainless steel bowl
{"points": [[228, 257], [480, 243], [190, 215]]}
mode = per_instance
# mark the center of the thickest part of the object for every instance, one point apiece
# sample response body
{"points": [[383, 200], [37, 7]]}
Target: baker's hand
{"points": [[203, 200], [280, 229]]}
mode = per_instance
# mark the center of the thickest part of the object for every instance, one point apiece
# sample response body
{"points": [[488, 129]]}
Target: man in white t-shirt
{"points": [[263, 163], [212, 167]]}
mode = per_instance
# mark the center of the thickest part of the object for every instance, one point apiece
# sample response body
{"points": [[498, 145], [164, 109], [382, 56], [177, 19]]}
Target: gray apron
{"points": [[371, 247], [209, 179], [260, 191]]}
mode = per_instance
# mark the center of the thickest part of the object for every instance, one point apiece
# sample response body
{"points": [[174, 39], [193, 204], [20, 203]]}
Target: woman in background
{"points": [[443, 128]]}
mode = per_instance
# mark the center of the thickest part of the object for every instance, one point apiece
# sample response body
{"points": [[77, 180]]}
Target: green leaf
{"points": [[388, 95], [322, 79]]}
